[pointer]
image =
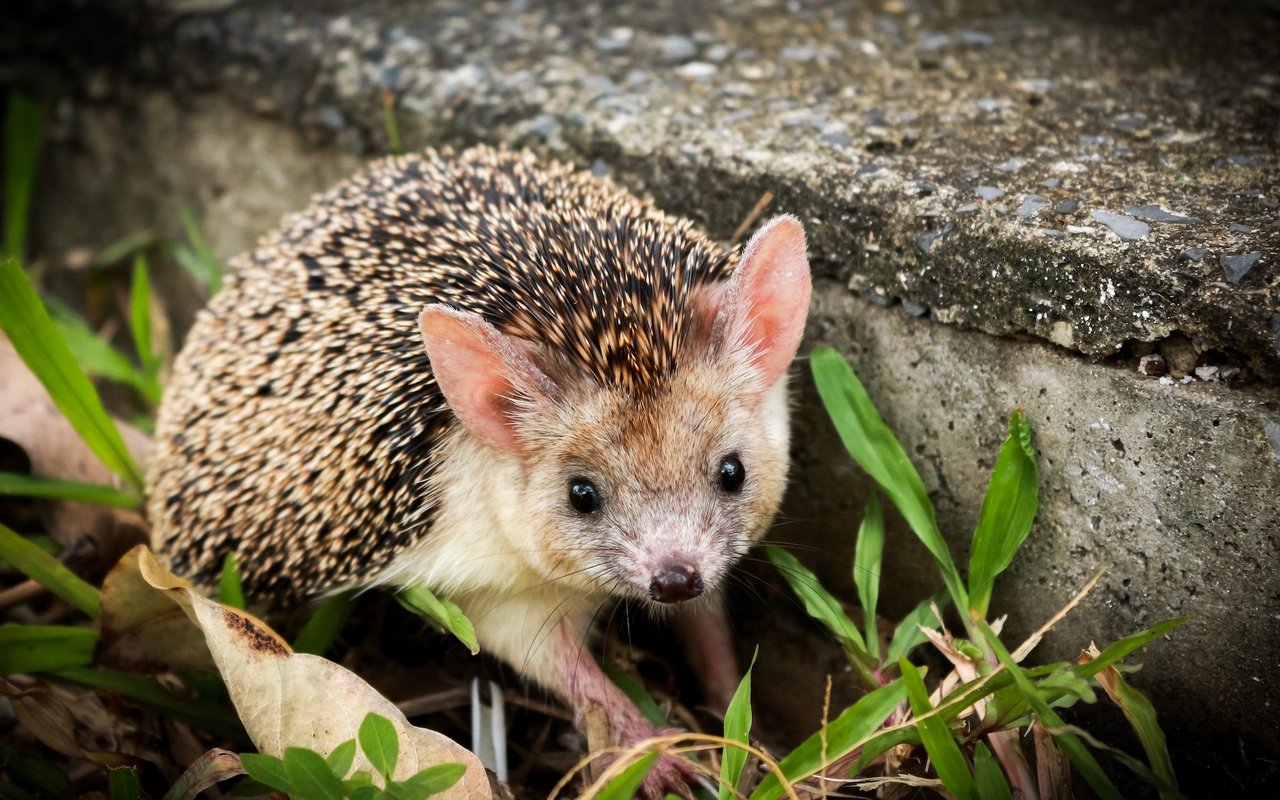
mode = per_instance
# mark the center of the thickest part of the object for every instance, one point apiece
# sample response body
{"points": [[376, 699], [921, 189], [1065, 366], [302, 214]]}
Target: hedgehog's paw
{"points": [[671, 774]]}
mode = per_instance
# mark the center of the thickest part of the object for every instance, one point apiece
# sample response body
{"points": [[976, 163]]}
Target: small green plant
{"points": [[969, 728], [307, 775]]}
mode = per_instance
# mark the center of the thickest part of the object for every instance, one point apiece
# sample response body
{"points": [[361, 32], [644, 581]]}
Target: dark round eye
{"points": [[732, 473], [583, 496]]}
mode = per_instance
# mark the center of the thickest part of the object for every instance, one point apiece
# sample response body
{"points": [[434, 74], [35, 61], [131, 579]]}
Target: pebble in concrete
{"points": [[989, 193], [1156, 213], [1032, 204], [926, 241], [1236, 266], [1126, 227], [1193, 254], [1069, 206]]}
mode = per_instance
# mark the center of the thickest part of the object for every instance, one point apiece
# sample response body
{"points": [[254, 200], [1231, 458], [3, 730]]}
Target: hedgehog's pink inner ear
{"points": [[765, 303], [480, 372]]}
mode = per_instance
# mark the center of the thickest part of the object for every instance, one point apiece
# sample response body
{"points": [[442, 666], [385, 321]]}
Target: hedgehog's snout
{"points": [[674, 582]]}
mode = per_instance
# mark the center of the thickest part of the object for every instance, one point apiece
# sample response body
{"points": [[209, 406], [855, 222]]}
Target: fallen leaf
{"points": [[30, 420], [288, 699]]}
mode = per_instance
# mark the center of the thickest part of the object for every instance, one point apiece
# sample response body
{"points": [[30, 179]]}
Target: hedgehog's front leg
{"points": [[553, 649]]}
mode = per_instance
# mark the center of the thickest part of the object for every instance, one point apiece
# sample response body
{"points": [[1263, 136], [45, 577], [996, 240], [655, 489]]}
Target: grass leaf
{"points": [[627, 783], [266, 769], [943, 751], [24, 134], [988, 777], [847, 732], [818, 602], [1119, 649], [140, 316], [737, 728], [15, 485], [380, 743], [1007, 512], [44, 569], [230, 591], [39, 648], [866, 570], [430, 781], [321, 631], [1142, 716], [98, 357], [1080, 756], [907, 636], [196, 256], [124, 784], [33, 335], [878, 452], [420, 600], [310, 776], [635, 691]]}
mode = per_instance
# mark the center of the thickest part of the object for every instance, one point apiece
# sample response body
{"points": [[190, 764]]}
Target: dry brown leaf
{"points": [[1052, 771], [144, 630], [30, 419], [73, 721], [288, 699]]}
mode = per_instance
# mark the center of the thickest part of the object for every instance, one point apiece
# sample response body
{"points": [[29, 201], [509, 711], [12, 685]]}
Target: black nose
{"points": [[674, 583]]}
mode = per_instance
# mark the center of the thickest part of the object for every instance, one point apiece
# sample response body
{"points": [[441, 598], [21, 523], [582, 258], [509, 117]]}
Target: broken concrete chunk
{"points": [[1126, 227], [1235, 266]]}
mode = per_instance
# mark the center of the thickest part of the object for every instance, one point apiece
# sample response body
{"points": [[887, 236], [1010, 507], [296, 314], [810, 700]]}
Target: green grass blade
{"points": [[39, 648], [14, 485], [737, 728], [48, 571], [140, 316], [394, 143], [635, 691], [33, 335], [1007, 512], [627, 784], [907, 636], [846, 733], [24, 134], [321, 631], [878, 452], [944, 753], [1142, 716], [420, 600], [230, 590], [988, 777], [818, 602], [98, 357], [866, 570], [39, 777], [1119, 649], [1080, 756], [124, 784], [146, 691], [197, 257]]}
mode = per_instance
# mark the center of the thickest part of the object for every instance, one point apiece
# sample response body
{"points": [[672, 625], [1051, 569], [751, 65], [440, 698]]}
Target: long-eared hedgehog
{"points": [[599, 409]]}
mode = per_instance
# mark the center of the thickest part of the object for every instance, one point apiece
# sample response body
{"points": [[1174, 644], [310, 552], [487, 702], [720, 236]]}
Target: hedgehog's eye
{"points": [[732, 473], [583, 496]]}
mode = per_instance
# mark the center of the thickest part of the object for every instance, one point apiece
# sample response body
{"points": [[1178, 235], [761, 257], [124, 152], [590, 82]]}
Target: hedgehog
{"points": [[510, 382]]}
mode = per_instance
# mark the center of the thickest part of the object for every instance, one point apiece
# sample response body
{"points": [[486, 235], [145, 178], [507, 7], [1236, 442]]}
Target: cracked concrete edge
{"points": [[891, 227]]}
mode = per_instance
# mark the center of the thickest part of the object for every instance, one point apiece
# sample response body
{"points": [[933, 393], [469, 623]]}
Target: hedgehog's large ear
{"points": [[482, 373], [764, 305]]}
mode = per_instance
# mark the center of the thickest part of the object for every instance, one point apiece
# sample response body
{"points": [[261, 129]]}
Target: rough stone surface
{"points": [[873, 122], [878, 128]]}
